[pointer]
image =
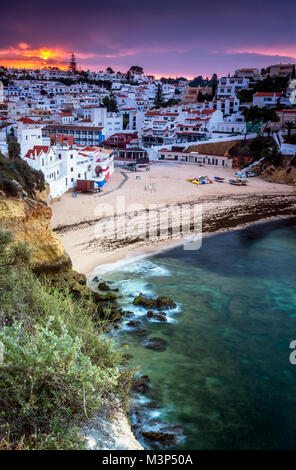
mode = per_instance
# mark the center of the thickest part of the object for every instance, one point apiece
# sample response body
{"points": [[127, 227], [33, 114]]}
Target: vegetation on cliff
{"points": [[17, 177], [57, 366], [278, 168]]}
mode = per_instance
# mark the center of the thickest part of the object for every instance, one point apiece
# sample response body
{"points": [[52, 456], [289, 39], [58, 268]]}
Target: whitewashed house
{"points": [[262, 99], [228, 87]]}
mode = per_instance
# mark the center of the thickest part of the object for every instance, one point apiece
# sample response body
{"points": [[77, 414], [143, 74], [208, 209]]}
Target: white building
{"points": [[1, 92], [228, 87], [28, 136], [262, 99], [233, 124], [251, 73], [183, 156], [43, 158], [227, 105], [111, 122]]}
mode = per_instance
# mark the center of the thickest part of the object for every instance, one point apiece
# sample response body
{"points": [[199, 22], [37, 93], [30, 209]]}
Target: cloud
{"points": [[23, 55], [167, 37]]}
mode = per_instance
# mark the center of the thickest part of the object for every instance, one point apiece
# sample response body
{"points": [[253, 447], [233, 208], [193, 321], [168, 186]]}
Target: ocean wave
{"points": [[147, 269]]}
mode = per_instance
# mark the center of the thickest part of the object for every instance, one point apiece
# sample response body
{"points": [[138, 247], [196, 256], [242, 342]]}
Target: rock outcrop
{"points": [[280, 170], [161, 303], [110, 430], [29, 221]]}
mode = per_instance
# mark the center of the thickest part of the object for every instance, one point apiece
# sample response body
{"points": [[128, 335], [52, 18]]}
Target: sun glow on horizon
{"points": [[24, 56]]}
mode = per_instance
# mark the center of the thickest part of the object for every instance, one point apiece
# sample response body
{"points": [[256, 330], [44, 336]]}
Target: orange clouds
{"points": [[25, 56]]}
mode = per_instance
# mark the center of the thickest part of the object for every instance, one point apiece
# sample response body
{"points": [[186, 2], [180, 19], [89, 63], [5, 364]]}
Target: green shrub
{"points": [[17, 169], [46, 380], [58, 366]]}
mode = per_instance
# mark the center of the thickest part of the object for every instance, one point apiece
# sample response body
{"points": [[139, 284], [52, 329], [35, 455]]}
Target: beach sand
{"points": [[86, 223]]}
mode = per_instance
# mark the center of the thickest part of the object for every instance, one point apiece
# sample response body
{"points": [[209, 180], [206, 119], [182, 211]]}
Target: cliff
{"points": [[281, 169], [29, 221]]}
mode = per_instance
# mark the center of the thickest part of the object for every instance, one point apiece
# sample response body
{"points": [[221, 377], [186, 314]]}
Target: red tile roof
{"points": [[271, 93], [37, 149], [26, 120]]}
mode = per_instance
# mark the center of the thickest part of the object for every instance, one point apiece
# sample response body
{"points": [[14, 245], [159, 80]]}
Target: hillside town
{"points": [[78, 126]]}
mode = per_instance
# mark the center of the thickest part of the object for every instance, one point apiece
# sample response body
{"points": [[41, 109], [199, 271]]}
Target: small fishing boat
{"points": [[219, 179], [240, 174], [238, 182]]}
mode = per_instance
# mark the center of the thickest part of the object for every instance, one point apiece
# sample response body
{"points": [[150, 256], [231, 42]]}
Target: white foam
{"points": [[136, 257], [147, 269]]}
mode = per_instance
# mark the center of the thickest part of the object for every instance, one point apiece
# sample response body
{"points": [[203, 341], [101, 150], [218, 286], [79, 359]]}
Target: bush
{"points": [[46, 380], [57, 366], [9, 187], [17, 169], [291, 140]]}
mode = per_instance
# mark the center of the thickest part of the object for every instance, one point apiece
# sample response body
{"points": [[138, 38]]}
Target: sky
{"points": [[165, 37]]}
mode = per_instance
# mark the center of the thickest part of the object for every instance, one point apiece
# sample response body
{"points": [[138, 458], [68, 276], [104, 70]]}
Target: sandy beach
{"points": [[106, 227]]}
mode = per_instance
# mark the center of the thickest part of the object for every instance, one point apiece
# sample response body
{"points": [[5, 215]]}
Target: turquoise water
{"points": [[225, 376]]}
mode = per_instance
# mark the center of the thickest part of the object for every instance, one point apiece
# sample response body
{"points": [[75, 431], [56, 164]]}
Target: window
{"points": [[72, 169], [71, 156], [72, 179], [60, 156]]}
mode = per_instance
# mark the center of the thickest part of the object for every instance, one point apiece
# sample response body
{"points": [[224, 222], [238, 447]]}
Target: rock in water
{"points": [[140, 384], [133, 323], [104, 286], [161, 316], [166, 439], [165, 303], [157, 344], [161, 303]]}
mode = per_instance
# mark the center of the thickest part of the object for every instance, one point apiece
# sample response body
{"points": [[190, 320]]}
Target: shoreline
{"points": [[148, 252], [88, 251], [94, 236]]}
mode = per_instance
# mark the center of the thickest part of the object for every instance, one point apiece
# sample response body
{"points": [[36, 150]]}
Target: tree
{"points": [[200, 97], [73, 64], [13, 150], [110, 103], [289, 125], [135, 70], [214, 84], [158, 100], [109, 70], [269, 115], [253, 115]]}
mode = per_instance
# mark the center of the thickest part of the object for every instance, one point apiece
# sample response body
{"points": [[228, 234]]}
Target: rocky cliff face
{"points": [[279, 170], [29, 221]]}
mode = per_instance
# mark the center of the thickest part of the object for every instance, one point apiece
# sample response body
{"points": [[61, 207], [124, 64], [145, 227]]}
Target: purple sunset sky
{"points": [[188, 37]]}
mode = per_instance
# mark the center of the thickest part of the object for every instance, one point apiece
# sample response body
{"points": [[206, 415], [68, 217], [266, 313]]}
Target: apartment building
{"points": [[228, 87], [83, 134]]}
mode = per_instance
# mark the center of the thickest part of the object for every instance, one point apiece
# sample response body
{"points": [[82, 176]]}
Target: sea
{"points": [[225, 377]]}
